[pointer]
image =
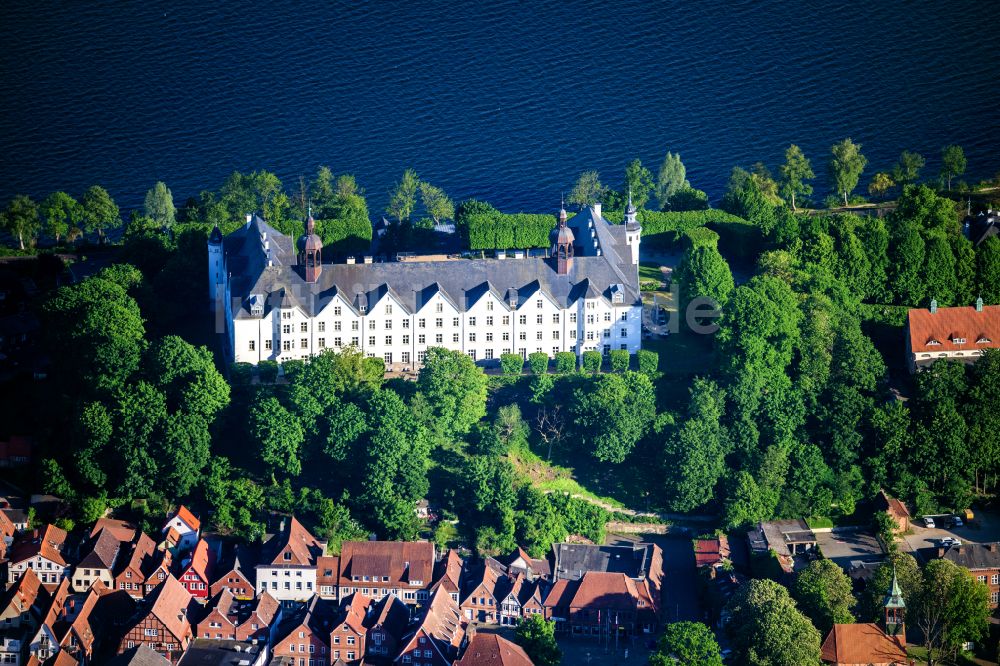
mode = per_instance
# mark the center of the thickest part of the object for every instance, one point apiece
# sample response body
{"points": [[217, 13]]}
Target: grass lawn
{"points": [[919, 654], [650, 271]]}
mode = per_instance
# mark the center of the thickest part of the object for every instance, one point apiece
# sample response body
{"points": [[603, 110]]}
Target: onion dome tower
{"points": [[562, 244], [312, 251]]}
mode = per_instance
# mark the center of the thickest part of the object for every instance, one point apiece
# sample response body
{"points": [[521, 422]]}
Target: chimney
{"points": [[979, 304], [933, 305], [940, 551], [350, 261], [597, 209], [249, 217], [368, 258], [993, 546]]}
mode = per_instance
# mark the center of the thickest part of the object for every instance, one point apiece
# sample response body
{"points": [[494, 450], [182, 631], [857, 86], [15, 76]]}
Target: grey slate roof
{"points": [[975, 555], [574, 559], [141, 655], [602, 262]]}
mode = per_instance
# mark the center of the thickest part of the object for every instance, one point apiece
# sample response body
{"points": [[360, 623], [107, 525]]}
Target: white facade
{"points": [[188, 535], [287, 582], [49, 572], [273, 315]]}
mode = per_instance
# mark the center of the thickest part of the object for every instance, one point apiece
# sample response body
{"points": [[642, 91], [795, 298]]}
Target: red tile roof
{"points": [[25, 592], [710, 551], [201, 559], [448, 572], [861, 644], [599, 589], [980, 330], [48, 544], [184, 514], [296, 540], [170, 603], [401, 561], [327, 570], [493, 650], [124, 530]]}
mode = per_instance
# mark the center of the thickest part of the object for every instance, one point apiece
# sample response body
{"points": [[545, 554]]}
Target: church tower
{"points": [[895, 609], [216, 270], [633, 230], [312, 251], [562, 245]]}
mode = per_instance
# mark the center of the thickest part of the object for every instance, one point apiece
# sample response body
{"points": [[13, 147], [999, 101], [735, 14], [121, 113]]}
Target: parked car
{"points": [[958, 521], [929, 522], [948, 542]]}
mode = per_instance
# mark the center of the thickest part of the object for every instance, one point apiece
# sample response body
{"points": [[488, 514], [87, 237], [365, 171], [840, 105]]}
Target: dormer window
{"points": [[983, 340], [958, 341], [288, 556], [933, 343], [363, 309]]}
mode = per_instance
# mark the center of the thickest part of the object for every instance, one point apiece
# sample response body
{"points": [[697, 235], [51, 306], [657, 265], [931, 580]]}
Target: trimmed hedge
{"points": [[503, 231], [241, 374], [565, 362], [267, 371], [669, 228], [511, 364], [538, 363], [648, 361], [619, 360], [592, 361], [702, 237], [350, 235]]}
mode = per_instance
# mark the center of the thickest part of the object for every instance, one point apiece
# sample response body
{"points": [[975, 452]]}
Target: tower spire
{"points": [[894, 608]]}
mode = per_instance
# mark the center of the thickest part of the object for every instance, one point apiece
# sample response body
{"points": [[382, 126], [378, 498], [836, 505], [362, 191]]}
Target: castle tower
{"points": [[312, 251], [562, 245], [895, 609], [216, 270], [633, 230]]}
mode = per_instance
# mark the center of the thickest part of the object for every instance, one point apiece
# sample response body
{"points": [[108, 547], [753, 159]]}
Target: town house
{"points": [[195, 572], [347, 635], [303, 637], [145, 567], [982, 560], [480, 603], [437, 637], [162, 622], [959, 333], [98, 562], [181, 529], [378, 568], [386, 624], [493, 650], [288, 568], [41, 551], [237, 574], [22, 607], [327, 574]]}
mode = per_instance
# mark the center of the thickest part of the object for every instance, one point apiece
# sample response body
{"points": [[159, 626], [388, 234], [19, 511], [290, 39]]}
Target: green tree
{"points": [[881, 183], [907, 572], [982, 413], [907, 250], [745, 198], [61, 213], [587, 191], [950, 609], [612, 412], [670, 180], [322, 192], [744, 504], [638, 182], [686, 644], [768, 629], [794, 172], [403, 198], [188, 376], [846, 165], [823, 591], [939, 270], [537, 523], [455, 390], [278, 435], [907, 169], [436, 203], [100, 211], [696, 451], [160, 205], [953, 162], [703, 272], [537, 636], [20, 219]]}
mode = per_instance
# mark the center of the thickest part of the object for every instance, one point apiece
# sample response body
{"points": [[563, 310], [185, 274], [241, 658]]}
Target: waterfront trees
{"points": [[61, 213], [21, 220], [881, 183], [638, 181], [403, 198], [845, 167], [159, 205], [670, 180], [794, 173], [436, 203], [587, 191], [100, 211], [907, 169], [953, 162]]}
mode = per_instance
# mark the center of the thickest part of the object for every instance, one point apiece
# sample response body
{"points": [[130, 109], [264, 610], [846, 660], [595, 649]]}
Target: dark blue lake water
{"points": [[502, 100]]}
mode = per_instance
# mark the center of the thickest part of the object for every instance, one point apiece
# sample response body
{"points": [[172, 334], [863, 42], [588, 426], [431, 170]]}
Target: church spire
{"points": [[894, 608]]}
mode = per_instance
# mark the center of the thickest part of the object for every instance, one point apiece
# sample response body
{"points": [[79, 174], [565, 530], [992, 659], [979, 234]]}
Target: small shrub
{"points": [[538, 362], [511, 364], [241, 373], [619, 360], [648, 361], [267, 371], [592, 362], [565, 362]]}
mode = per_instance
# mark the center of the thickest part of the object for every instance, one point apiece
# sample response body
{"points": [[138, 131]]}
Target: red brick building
{"points": [[234, 573], [194, 574], [437, 638], [982, 560], [377, 568], [162, 623]]}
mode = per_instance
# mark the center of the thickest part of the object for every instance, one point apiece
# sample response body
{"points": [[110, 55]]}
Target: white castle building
{"points": [[277, 300]]}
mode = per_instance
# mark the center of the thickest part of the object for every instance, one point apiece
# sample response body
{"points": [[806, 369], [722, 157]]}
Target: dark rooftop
{"points": [[573, 559]]}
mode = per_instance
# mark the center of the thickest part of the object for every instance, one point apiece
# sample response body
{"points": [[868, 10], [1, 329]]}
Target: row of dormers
{"points": [[957, 339], [363, 302]]}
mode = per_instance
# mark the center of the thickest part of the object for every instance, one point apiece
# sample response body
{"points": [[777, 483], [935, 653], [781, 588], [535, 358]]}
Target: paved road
{"points": [[680, 577]]}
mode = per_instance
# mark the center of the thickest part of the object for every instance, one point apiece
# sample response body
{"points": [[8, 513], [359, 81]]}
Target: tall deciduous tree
{"points": [[768, 629], [160, 204], [696, 451], [846, 165], [794, 173], [881, 183], [403, 198], [61, 212], [638, 181], [455, 390], [670, 180], [278, 435], [703, 272], [613, 412], [951, 608], [953, 162], [20, 218], [907, 169], [823, 591], [686, 644], [587, 191], [436, 203], [100, 211], [537, 636]]}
